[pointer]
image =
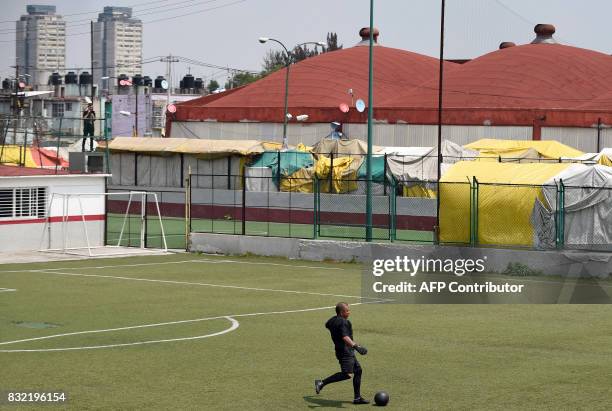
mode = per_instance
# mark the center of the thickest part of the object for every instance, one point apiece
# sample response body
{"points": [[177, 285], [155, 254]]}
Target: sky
{"points": [[225, 32]]}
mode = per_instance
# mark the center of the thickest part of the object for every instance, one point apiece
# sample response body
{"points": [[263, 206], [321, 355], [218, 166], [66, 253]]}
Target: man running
{"points": [[341, 331]]}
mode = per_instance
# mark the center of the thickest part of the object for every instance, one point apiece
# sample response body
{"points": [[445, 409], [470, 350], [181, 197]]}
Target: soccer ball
{"points": [[381, 398]]}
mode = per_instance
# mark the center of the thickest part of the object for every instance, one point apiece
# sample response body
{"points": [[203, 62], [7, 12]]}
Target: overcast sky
{"points": [[225, 32]]}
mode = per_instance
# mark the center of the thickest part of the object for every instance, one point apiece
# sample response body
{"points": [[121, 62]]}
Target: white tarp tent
{"points": [[421, 163], [587, 203]]}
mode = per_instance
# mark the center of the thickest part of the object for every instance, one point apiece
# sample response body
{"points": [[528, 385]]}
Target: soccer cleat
{"points": [[360, 400], [318, 386]]}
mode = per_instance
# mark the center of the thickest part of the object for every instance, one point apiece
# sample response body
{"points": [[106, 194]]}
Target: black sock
{"points": [[357, 383], [339, 376]]}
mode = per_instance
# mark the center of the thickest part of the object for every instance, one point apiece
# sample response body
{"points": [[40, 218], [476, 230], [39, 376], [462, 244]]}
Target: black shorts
{"points": [[349, 364]]}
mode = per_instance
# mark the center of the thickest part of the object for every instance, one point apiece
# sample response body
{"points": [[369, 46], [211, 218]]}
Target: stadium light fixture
{"points": [[288, 62]]}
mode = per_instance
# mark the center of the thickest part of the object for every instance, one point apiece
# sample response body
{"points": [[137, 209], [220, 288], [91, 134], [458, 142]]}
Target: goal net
{"points": [[103, 224]]}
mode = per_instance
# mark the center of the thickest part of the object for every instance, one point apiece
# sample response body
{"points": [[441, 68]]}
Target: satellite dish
{"points": [[171, 108], [164, 84], [344, 107], [360, 105], [87, 100]]}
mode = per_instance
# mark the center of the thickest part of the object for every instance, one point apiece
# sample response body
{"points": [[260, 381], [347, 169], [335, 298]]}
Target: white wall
{"points": [[26, 234], [584, 139], [410, 135]]}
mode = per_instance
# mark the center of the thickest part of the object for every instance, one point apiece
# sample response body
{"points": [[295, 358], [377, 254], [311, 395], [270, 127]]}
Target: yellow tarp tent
{"points": [[195, 146], [14, 155], [505, 201], [343, 176], [550, 149]]}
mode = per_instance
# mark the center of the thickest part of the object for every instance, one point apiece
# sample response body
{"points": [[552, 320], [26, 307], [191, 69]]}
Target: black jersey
{"points": [[340, 327]]}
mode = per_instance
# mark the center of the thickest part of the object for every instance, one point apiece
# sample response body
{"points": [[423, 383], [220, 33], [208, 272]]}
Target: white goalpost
{"points": [[76, 223]]}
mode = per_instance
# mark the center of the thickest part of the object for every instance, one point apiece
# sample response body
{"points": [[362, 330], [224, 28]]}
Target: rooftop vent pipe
{"points": [[365, 36], [544, 34]]}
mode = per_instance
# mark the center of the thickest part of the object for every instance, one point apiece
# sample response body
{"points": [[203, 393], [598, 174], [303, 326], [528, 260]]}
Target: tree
{"points": [[240, 79], [332, 42], [276, 59], [212, 86]]}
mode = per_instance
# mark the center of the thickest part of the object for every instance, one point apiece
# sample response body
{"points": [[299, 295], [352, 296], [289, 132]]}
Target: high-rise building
{"points": [[40, 43], [117, 44]]}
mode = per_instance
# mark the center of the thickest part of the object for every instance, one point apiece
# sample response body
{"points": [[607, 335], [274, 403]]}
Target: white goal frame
{"points": [[133, 196]]}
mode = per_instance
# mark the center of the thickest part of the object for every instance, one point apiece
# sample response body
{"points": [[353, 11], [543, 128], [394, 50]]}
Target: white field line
{"points": [[210, 261], [234, 325], [231, 318], [234, 287], [6, 290]]}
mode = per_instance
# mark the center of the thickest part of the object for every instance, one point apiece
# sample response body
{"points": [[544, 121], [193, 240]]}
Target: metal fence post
{"points": [[315, 214], [385, 175], [243, 203], [278, 171], [561, 218], [188, 210], [393, 210], [331, 173], [474, 212]]}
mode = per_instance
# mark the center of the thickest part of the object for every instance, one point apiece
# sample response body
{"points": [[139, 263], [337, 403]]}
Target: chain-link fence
{"points": [[45, 142], [471, 213]]}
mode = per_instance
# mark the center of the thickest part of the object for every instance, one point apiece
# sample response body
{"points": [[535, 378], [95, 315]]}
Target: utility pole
{"points": [[16, 109], [169, 60], [92, 61]]}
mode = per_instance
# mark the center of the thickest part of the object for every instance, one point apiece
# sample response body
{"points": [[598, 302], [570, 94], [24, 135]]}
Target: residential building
{"points": [[40, 44], [117, 44]]}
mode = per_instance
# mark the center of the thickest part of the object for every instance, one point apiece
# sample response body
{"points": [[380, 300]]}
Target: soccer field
{"points": [[188, 331]]}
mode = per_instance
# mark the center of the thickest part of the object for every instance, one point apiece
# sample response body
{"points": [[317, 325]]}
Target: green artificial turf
{"points": [[430, 357], [174, 229]]}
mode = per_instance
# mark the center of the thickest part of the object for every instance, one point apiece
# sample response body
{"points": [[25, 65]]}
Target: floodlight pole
{"points": [[370, 116], [440, 95], [289, 60]]}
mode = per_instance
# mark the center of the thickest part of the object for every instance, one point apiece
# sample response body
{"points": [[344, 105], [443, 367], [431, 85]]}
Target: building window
{"points": [[57, 110], [23, 202], [68, 107]]}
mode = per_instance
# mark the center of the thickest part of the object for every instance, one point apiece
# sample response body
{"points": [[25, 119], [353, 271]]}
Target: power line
{"points": [[97, 11], [156, 9], [150, 21]]}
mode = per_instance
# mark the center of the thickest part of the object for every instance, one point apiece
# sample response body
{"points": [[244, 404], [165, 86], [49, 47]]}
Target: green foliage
{"points": [[241, 79], [212, 86], [332, 42]]}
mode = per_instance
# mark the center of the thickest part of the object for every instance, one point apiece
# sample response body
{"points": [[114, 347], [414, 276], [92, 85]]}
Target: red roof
{"points": [[533, 76], [544, 84], [318, 85], [14, 171]]}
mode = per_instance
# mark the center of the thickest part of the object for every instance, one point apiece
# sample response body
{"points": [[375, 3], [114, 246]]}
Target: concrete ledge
{"points": [[563, 263]]}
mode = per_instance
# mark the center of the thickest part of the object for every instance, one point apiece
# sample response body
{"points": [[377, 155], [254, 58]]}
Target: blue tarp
{"points": [[290, 161]]}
